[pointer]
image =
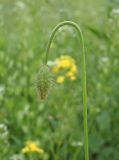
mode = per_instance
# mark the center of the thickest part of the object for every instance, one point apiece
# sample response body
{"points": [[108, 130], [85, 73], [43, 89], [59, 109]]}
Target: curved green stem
{"points": [[83, 66]]}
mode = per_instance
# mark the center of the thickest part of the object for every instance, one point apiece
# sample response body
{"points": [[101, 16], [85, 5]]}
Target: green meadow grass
{"points": [[57, 123]]}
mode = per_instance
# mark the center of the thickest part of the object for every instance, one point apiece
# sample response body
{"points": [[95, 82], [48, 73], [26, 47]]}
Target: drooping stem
{"points": [[83, 68]]}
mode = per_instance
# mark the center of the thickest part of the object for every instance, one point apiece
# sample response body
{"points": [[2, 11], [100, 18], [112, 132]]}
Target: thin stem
{"points": [[83, 68]]}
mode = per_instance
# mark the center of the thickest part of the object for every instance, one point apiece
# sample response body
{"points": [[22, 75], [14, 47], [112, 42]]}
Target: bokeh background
{"points": [[57, 124]]}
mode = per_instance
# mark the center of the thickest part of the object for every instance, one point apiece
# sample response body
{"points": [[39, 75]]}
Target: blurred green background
{"points": [[25, 26]]}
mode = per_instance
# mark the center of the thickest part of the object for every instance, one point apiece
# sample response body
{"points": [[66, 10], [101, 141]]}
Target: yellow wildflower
{"points": [[64, 62], [74, 68], [73, 78], [60, 79], [67, 58], [32, 146], [64, 65], [69, 74]]}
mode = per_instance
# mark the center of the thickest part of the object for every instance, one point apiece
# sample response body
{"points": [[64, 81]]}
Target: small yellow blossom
{"points": [[69, 74], [65, 66], [67, 58], [32, 146], [74, 69], [64, 62], [73, 78], [60, 79]]}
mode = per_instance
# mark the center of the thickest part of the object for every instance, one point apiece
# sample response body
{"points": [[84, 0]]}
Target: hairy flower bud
{"points": [[44, 81]]}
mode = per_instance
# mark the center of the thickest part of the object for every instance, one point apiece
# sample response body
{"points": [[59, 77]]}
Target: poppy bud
{"points": [[44, 81]]}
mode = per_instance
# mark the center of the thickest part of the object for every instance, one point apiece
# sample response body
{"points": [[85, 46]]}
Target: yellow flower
{"points": [[65, 61], [69, 74], [64, 65], [60, 79], [32, 146], [67, 58], [73, 78], [74, 68]]}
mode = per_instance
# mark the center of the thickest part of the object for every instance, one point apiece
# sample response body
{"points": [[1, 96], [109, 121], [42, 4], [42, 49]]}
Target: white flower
{"points": [[51, 63]]}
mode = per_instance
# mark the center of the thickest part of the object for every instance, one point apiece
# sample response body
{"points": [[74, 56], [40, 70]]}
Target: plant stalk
{"points": [[83, 69]]}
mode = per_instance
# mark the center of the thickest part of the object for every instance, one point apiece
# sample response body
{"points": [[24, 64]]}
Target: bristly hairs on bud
{"points": [[44, 81]]}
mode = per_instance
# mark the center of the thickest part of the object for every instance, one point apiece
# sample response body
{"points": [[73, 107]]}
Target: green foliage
{"points": [[25, 27]]}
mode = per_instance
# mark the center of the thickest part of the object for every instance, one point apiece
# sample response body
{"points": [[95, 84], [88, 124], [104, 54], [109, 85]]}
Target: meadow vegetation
{"points": [[31, 129]]}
